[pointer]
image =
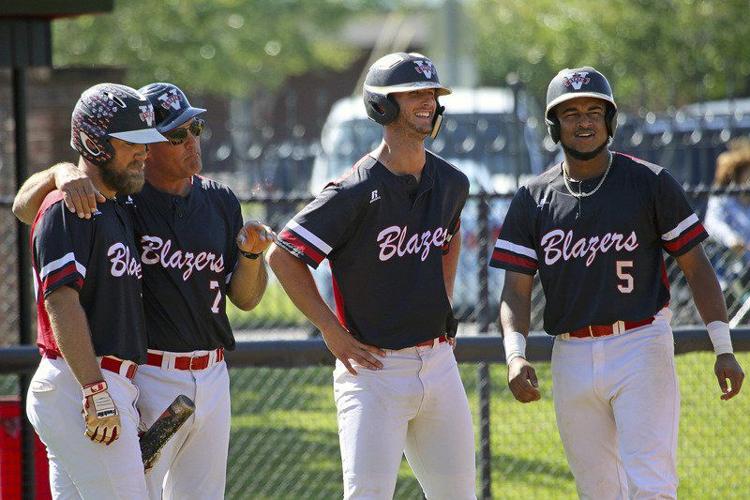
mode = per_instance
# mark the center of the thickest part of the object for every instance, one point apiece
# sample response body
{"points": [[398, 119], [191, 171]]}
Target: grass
{"points": [[276, 309], [285, 444]]}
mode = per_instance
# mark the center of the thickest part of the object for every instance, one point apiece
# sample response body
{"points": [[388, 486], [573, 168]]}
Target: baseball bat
{"points": [[164, 428]]}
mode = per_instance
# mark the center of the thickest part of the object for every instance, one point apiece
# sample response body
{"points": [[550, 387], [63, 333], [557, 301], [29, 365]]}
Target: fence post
{"points": [[22, 253], [484, 321]]}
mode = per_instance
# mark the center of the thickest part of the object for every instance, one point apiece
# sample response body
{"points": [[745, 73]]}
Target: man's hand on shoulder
{"points": [[79, 194]]}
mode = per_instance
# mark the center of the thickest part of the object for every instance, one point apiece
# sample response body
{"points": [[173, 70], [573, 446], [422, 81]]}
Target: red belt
{"points": [[606, 330], [124, 367], [169, 360], [431, 342]]}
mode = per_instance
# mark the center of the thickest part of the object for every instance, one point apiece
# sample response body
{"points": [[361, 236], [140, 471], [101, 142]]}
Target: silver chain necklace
{"points": [[580, 194]]}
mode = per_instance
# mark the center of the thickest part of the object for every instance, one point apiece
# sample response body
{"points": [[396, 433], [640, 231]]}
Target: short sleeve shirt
{"points": [[188, 250], [600, 258], [384, 236], [98, 258]]}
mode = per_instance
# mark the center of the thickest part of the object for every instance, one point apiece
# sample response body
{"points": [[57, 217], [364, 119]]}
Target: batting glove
{"points": [[100, 414]]}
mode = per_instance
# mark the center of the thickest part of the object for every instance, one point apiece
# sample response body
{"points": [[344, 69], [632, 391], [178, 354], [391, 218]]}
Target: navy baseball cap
{"points": [[171, 106]]}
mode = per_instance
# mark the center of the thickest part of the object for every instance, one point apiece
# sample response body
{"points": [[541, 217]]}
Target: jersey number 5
{"points": [[626, 284], [214, 285]]}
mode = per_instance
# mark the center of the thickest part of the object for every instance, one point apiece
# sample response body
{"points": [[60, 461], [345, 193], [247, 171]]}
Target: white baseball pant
{"points": [[617, 403], [415, 404], [79, 467], [193, 463]]}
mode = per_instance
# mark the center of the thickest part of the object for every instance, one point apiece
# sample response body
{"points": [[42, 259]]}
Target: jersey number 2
{"points": [[214, 285], [626, 285]]}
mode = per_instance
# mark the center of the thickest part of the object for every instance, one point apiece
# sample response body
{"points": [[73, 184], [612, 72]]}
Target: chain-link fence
{"points": [[527, 457], [477, 286], [284, 440], [9, 275], [285, 443]]}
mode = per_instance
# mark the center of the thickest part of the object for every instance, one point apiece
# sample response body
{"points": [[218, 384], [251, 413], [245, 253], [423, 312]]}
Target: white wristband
{"points": [[515, 346], [720, 337]]}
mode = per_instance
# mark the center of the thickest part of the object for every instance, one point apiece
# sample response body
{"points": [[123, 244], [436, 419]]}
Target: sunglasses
{"points": [[180, 135]]}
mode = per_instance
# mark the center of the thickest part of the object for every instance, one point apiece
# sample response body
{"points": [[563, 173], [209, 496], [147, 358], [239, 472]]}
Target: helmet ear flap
{"points": [[610, 117], [381, 108], [437, 121], [391, 108], [553, 126]]}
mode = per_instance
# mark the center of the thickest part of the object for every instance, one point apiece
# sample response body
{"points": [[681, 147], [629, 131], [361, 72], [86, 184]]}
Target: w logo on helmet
{"points": [[147, 114], [425, 68], [577, 80], [170, 99]]}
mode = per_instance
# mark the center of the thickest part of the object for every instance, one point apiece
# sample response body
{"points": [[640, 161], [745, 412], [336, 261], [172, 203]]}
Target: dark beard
{"points": [[122, 182], [580, 155]]}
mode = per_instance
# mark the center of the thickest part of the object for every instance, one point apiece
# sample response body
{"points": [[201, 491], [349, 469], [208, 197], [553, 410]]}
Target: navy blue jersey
{"points": [[98, 258], [384, 236], [188, 250], [599, 258]]}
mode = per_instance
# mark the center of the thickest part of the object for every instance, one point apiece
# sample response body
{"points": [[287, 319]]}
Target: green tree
{"points": [[655, 52], [220, 46]]}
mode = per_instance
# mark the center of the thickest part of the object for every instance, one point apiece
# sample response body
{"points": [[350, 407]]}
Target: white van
{"points": [[481, 136]]}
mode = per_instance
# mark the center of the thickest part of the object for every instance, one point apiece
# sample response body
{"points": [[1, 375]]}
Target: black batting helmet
{"points": [[111, 110], [171, 106], [399, 72], [579, 82]]}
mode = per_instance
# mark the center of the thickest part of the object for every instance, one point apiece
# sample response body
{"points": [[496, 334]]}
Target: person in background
{"points": [[728, 223], [728, 215]]}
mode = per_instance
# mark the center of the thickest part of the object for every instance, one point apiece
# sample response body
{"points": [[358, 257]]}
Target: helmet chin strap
{"points": [[437, 121], [580, 155]]}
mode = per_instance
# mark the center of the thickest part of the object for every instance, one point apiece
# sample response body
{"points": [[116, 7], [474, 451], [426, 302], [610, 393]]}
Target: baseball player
{"points": [[90, 317], [390, 232], [595, 227], [195, 252]]}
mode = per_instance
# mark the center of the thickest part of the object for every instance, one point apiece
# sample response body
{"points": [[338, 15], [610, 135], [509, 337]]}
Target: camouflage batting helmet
{"points": [[110, 110]]}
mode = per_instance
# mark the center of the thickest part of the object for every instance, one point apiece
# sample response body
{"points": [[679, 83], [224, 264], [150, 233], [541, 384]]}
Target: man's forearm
{"points": [[515, 314], [450, 263], [31, 195], [248, 283], [702, 280], [71, 330], [515, 303]]}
